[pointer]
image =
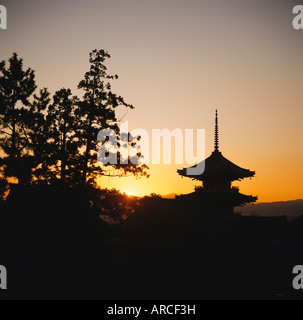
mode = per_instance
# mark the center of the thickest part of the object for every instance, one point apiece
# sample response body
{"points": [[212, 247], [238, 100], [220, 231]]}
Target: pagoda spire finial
{"points": [[217, 133]]}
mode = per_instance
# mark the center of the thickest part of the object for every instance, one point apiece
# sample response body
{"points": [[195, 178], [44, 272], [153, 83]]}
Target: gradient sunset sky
{"points": [[178, 61]]}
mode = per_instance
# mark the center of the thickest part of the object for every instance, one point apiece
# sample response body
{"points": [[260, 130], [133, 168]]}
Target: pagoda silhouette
{"points": [[217, 178]]}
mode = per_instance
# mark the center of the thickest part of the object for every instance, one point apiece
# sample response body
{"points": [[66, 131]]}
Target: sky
{"points": [[178, 61]]}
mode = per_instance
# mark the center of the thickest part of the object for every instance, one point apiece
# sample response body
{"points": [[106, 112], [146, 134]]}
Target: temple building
{"points": [[217, 181]]}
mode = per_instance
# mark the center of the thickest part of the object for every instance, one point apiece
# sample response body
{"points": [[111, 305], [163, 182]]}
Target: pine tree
{"points": [[97, 110], [63, 140], [16, 87]]}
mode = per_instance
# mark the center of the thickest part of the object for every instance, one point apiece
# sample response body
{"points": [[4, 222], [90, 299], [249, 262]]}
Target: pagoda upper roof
{"points": [[218, 165]]}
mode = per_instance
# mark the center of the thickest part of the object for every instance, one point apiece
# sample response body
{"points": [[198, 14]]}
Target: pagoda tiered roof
{"points": [[218, 165]]}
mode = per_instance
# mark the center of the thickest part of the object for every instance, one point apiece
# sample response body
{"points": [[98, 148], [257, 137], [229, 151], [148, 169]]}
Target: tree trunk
{"points": [[63, 156], [86, 157], [89, 137]]}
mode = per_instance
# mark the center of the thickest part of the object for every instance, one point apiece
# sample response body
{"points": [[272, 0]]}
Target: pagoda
{"points": [[217, 181]]}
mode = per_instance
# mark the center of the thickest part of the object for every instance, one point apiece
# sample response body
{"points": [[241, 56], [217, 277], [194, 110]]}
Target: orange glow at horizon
{"points": [[273, 182], [128, 193]]}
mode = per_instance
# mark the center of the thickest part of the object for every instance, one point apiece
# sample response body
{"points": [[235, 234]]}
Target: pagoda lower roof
{"points": [[218, 166], [227, 198]]}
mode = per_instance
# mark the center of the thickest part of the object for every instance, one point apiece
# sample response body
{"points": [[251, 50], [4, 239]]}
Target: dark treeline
{"points": [[55, 246], [53, 141]]}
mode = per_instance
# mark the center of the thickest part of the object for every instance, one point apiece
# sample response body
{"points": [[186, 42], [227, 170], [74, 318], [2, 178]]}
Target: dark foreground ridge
{"points": [[55, 246]]}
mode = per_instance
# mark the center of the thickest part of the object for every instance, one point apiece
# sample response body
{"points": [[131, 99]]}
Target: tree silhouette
{"points": [[57, 141], [39, 134], [97, 110], [16, 87], [62, 124]]}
